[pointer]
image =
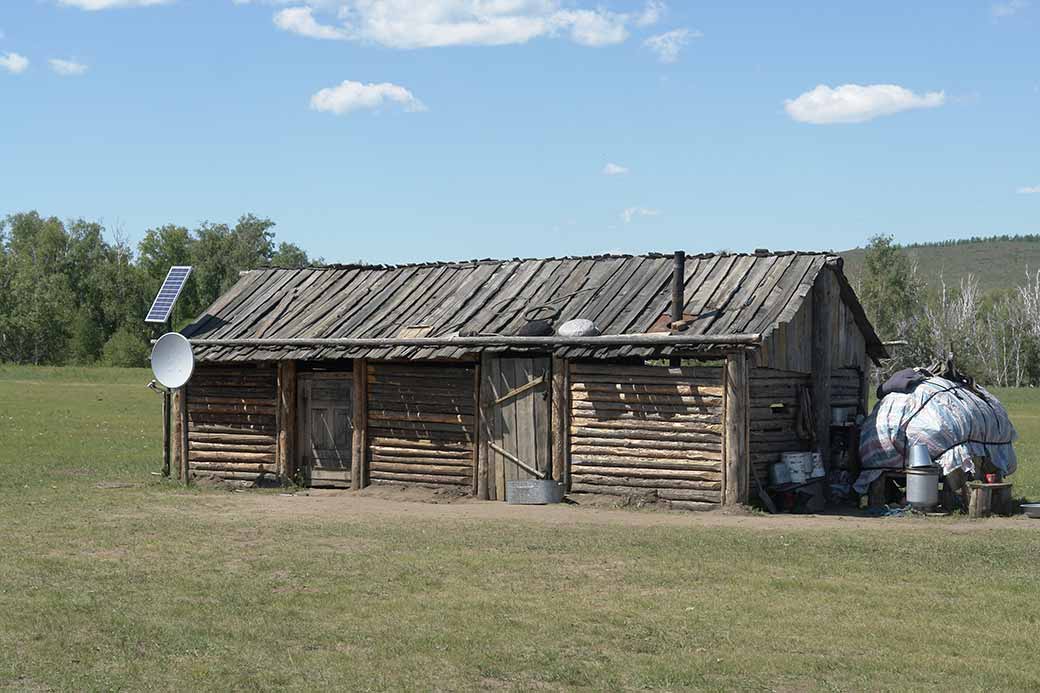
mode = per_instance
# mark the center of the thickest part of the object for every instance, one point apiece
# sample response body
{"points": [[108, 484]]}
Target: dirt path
{"points": [[420, 504]]}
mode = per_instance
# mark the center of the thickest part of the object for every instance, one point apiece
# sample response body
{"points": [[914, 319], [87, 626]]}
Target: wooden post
{"points": [[485, 483], [561, 406], [737, 454], [177, 401], [166, 433], [185, 462], [286, 420], [359, 448], [824, 305], [477, 437]]}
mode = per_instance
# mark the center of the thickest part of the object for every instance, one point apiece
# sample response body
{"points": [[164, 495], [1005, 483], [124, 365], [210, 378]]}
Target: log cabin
{"points": [[452, 374]]}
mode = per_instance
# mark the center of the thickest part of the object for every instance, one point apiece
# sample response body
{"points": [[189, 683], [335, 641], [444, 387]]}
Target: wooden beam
{"points": [[517, 461], [561, 410], [640, 339], [166, 433], [176, 402], [483, 428], [516, 391], [736, 446], [475, 488], [286, 420], [825, 294], [185, 464], [359, 451]]}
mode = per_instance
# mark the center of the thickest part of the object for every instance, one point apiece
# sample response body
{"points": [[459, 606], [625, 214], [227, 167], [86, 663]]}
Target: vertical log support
{"points": [[484, 481], [185, 446], [177, 402], [737, 455], [166, 433], [359, 445], [824, 305], [561, 407], [287, 420], [477, 436]]}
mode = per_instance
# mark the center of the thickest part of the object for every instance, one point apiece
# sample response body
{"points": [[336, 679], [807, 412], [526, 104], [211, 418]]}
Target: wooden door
{"points": [[326, 426], [516, 407]]}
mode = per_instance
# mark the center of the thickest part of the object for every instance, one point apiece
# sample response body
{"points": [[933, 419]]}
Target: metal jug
{"points": [[919, 456]]}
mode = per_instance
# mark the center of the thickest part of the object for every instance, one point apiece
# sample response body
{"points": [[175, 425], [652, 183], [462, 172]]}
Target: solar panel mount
{"points": [[168, 294]]}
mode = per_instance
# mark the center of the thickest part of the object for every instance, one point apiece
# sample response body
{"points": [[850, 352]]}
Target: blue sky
{"points": [[401, 130]]}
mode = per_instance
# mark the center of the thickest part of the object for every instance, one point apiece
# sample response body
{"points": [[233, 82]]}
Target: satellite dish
{"points": [[173, 360]]}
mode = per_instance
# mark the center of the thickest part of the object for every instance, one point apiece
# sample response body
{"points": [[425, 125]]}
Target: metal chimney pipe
{"points": [[678, 282], [678, 291]]}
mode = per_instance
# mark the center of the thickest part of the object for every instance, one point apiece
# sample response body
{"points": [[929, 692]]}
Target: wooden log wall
{"points": [[775, 408], [647, 431], [846, 387], [421, 423], [232, 422]]}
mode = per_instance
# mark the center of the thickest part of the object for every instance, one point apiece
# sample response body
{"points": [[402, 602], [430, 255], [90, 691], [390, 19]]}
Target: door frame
{"points": [[303, 378], [490, 399]]}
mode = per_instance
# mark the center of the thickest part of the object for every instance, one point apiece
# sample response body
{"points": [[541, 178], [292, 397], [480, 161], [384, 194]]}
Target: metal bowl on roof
{"points": [[579, 327]]}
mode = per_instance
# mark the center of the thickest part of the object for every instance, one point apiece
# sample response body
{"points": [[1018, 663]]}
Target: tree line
{"points": [[68, 295], [993, 336]]}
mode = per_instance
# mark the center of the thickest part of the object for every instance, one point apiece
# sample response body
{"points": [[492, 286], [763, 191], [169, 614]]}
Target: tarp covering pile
{"points": [[955, 421]]}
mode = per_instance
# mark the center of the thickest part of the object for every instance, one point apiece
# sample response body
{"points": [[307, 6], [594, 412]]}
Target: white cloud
{"points": [[592, 27], [612, 169], [355, 96], [300, 20], [629, 214], [430, 23], [1029, 190], [67, 68], [855, 103], [14, 63], [1007, 9], [668, 45], [94, 5], [651, 14]]}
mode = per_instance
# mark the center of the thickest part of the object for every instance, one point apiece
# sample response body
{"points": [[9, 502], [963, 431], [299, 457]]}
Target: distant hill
{"points": [[999, 262]]}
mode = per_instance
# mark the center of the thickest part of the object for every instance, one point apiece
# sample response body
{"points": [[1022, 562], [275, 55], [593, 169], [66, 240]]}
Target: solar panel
{"points": [[168, 293]]}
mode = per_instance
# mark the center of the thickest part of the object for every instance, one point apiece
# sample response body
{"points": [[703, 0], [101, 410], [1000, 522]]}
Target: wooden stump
{"points": [[987, 499]]}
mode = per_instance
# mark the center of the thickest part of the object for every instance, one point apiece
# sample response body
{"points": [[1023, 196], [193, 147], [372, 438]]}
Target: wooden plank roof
{"points": [[622, 294]]}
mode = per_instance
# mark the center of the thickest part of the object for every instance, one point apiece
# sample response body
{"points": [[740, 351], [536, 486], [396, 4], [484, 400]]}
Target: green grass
{"points": [[153, 586]]}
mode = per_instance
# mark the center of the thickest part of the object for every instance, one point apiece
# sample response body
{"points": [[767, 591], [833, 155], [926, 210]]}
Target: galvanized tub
{"points": [[534, 492]]}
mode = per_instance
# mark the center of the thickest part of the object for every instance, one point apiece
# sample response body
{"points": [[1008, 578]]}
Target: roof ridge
{"points": [[486, 261]]}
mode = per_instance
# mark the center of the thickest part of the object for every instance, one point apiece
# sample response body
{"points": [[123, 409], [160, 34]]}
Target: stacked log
{"points": [[421, 423], [846, 387], [232, 431], [647, 431], [775, 408]]}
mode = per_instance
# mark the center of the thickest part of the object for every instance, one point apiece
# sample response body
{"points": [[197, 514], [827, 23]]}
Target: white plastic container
{"points": [[799, 464], [779, 474], [817, 470]]}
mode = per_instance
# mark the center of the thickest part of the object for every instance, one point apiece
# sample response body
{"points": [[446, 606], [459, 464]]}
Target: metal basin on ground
{"points": [[534, 492]]}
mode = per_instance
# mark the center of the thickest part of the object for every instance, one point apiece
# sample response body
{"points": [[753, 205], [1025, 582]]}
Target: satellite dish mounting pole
{"points": [[172, 364]]}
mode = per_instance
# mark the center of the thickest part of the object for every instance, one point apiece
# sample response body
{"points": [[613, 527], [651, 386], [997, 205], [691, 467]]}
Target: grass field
{"points": [[111, 579], [1015, 258]]}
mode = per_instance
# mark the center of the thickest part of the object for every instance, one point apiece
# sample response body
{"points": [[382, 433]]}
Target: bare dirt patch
{"points": [[422, 503]]}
